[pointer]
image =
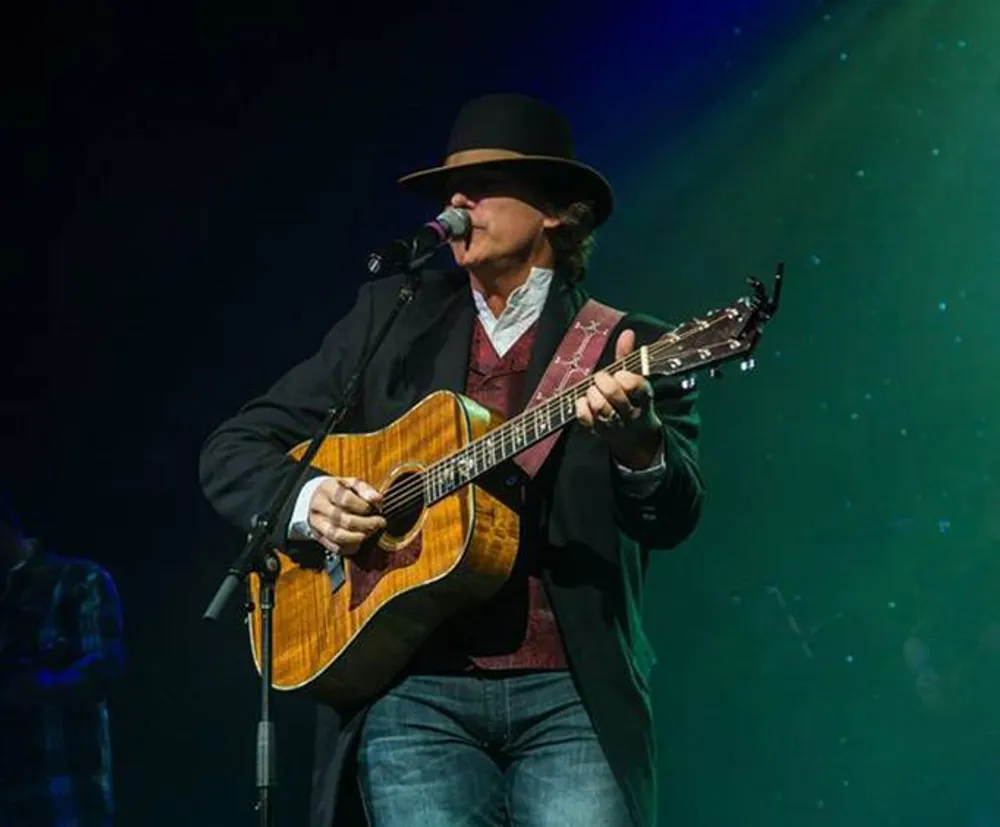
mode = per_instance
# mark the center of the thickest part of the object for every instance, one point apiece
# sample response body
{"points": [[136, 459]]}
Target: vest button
{"points": [[511, 481]]}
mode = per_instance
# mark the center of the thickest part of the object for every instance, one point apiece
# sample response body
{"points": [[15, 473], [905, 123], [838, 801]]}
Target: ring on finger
{"points": [[610, 418]]}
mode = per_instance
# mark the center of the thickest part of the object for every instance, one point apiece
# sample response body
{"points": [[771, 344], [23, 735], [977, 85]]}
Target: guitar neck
{"points": [[515, 435], [702, 342]]}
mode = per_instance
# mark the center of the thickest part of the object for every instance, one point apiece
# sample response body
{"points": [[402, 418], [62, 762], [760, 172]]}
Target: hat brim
{"points": [[572, 180]]}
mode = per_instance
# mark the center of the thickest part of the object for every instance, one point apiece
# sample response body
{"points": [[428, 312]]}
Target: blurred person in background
{"points": [[60, 648]]}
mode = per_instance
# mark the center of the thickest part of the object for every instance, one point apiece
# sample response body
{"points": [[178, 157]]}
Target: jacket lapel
{"points": [[451, 362], [440, 335], [561, 306]]}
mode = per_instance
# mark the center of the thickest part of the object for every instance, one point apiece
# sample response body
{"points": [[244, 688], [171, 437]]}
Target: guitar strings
{"points": [[399, 499], [414, 490]]}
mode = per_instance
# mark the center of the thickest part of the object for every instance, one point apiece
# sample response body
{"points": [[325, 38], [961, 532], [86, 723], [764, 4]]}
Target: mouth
{"points": [[468, 237]]}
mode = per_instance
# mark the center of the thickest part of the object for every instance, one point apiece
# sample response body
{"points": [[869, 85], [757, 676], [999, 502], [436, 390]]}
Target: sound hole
{"points": [[403, 504]]}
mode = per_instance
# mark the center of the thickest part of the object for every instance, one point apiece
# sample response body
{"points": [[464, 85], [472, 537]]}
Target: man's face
{"points": [[508, 224]]}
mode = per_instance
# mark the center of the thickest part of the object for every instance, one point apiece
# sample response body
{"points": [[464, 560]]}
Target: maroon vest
{"points": [[515, 629]]}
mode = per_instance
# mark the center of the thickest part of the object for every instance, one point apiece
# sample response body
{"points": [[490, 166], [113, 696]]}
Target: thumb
{"points": [[625, 344]]}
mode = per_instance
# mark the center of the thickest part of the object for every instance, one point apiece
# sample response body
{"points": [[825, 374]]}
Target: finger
{"points": [[336, 536], [322, 504], [348, 540], [637, 389], [613, 391], [625, 344], [330, 495], [328, 488], [599, 405], [322, 501], [332, 500], [365, 491], [358, 523], [321, 530], [583, 414], [347, 499]]}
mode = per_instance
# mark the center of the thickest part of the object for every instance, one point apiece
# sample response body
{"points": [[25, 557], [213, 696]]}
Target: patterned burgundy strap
{"points": [[575, 359]]}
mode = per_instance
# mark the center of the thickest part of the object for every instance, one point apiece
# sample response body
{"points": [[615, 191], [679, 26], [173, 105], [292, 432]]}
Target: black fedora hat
{"points": [[523, 135]]}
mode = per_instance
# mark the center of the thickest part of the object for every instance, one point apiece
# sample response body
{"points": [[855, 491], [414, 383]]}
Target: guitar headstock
{"points": [[720, 336]]}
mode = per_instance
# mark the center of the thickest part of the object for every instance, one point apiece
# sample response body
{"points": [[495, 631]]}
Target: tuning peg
{"points": [[747, 365], [688, 382], [715, 373]]}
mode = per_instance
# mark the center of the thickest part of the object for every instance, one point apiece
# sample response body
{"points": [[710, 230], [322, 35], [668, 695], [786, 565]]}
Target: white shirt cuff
{"points": [[643, 482]]}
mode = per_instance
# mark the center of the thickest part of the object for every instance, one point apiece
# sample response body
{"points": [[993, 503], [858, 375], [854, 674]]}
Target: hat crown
{"points": [[518, 134], [517, 123]]}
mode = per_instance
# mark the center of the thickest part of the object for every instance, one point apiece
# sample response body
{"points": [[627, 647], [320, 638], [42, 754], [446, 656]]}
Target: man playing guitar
{"points": [[534, 707]]}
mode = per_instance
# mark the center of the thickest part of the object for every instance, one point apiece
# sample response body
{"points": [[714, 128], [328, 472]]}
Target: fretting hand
{"points": [[619, 409]]}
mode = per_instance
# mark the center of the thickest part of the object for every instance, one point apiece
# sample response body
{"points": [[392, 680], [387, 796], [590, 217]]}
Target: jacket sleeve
{"points": [[245, 461], [665, 516]]}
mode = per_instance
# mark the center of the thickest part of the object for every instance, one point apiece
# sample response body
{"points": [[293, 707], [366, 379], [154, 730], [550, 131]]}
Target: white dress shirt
{"points": [[523, 309]]}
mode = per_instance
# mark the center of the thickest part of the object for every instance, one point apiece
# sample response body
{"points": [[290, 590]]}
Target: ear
{"points": [[550, 222]]}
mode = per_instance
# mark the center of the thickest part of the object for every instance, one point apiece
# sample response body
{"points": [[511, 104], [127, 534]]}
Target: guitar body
{"points": [[343, 645]]}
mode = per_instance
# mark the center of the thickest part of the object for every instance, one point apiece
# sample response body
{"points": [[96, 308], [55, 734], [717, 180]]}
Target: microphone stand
{"points": [[258, 558]]}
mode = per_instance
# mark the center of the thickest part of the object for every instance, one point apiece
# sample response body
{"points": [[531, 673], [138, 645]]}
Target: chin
{"points": [[469, 258]]}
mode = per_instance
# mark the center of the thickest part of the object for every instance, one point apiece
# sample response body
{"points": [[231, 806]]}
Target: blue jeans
{"points": [[462, 750]]}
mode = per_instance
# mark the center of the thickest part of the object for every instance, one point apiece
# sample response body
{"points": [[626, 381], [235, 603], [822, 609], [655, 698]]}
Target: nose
{"points": [[460, 200]]}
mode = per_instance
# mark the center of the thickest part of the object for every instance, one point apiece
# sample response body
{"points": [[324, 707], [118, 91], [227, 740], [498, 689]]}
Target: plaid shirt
{"points": [[60, 615]]}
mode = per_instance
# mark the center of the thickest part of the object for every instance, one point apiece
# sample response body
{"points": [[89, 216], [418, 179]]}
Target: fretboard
{"points": [[720, 336], [508, 440]]}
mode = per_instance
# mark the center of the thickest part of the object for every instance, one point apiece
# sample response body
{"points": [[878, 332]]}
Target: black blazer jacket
{"points": [[598, 536]]}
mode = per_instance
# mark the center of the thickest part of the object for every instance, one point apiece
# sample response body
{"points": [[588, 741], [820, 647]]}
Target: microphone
{"points": [[409, 253]]}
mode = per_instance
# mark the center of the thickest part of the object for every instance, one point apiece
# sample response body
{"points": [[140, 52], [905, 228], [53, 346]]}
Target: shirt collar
{"points": [[526, 300]]}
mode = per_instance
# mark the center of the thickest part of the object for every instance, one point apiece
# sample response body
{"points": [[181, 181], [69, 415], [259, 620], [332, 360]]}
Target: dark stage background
{"points": [[193, 189]]}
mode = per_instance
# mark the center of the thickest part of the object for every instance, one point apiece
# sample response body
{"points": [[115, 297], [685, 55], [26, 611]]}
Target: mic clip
{"points": [[406, 255], [397, 257]]}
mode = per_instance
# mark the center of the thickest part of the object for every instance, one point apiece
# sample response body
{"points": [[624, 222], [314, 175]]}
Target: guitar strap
{"points": [[574, 360]]}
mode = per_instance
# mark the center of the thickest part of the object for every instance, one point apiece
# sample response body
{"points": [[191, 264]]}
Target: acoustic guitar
{"points": [[344, 627]]}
